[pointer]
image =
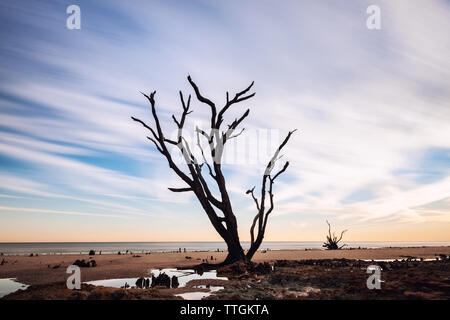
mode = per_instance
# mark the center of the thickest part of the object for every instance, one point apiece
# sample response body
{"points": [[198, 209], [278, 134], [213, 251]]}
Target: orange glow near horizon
{"points": [[411, 232]]}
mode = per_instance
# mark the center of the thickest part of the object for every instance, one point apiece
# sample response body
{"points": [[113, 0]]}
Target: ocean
{"points": [[24, 248]]}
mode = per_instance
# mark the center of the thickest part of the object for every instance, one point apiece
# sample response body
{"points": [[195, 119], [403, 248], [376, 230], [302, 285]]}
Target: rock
{"points": [[235, 269], [91, 252], [84, 264], [262, 268]]}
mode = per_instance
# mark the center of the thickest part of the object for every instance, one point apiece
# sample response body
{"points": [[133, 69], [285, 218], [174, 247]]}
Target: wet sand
{"points": [[48, 269]]}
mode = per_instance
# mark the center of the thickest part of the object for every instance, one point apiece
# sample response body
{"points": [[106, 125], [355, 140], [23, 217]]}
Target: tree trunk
{"points": [[235, 252], [253, 248]]}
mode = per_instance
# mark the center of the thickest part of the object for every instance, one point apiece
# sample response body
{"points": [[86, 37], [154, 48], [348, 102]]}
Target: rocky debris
{"points": [[322, 262], [263, 268], [85, 264], [343, 263], [235, 269], [245, 268], [188, 257], [92, 252], [342, 279], [443, 257]]}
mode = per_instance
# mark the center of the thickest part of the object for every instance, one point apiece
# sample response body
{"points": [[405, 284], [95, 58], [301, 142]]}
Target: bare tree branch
{"points": [[237, 98], [162, 148], [147, 127], [156, 145], [180, 189], [251, 191], [262, 215], [203, 153], [204, 100]]}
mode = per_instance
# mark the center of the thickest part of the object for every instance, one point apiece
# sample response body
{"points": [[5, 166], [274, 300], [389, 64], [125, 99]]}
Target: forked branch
{"points": [[262, 214]]}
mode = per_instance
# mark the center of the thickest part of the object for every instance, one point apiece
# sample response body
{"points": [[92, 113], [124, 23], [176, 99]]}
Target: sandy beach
{"points": [[47, 269]]}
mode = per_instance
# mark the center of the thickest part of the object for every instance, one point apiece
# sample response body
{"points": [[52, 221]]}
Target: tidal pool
{"points": [[398, 260], [10, 285], [196, 295], [184, 276]]}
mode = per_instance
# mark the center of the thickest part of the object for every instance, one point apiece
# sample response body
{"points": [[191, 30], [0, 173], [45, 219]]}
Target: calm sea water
{"points": [[140, 247]]}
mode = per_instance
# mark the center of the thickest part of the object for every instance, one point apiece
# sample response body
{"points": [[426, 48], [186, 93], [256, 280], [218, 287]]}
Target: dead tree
{"points": [[218, 208], [332, 240]]}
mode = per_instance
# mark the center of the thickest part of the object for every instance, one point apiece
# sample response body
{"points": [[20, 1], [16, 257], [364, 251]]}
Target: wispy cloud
{"points": [[76, 213], [372, 107]]}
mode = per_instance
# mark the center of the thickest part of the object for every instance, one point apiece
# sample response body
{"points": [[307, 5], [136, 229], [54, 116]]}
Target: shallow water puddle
{"points": [[114, 283], [184, 276], [398, 260], [199, 295], [10, 285]]}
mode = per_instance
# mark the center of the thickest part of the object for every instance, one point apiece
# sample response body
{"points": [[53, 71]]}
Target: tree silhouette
{"points": [[332, 240], [224, 223]]}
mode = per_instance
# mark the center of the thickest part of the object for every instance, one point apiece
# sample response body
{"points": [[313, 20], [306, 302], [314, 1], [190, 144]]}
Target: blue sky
{"points": [[372, 108]]}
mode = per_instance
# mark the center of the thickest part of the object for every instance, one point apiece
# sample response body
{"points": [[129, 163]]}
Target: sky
{"points": [[372, 109]]}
